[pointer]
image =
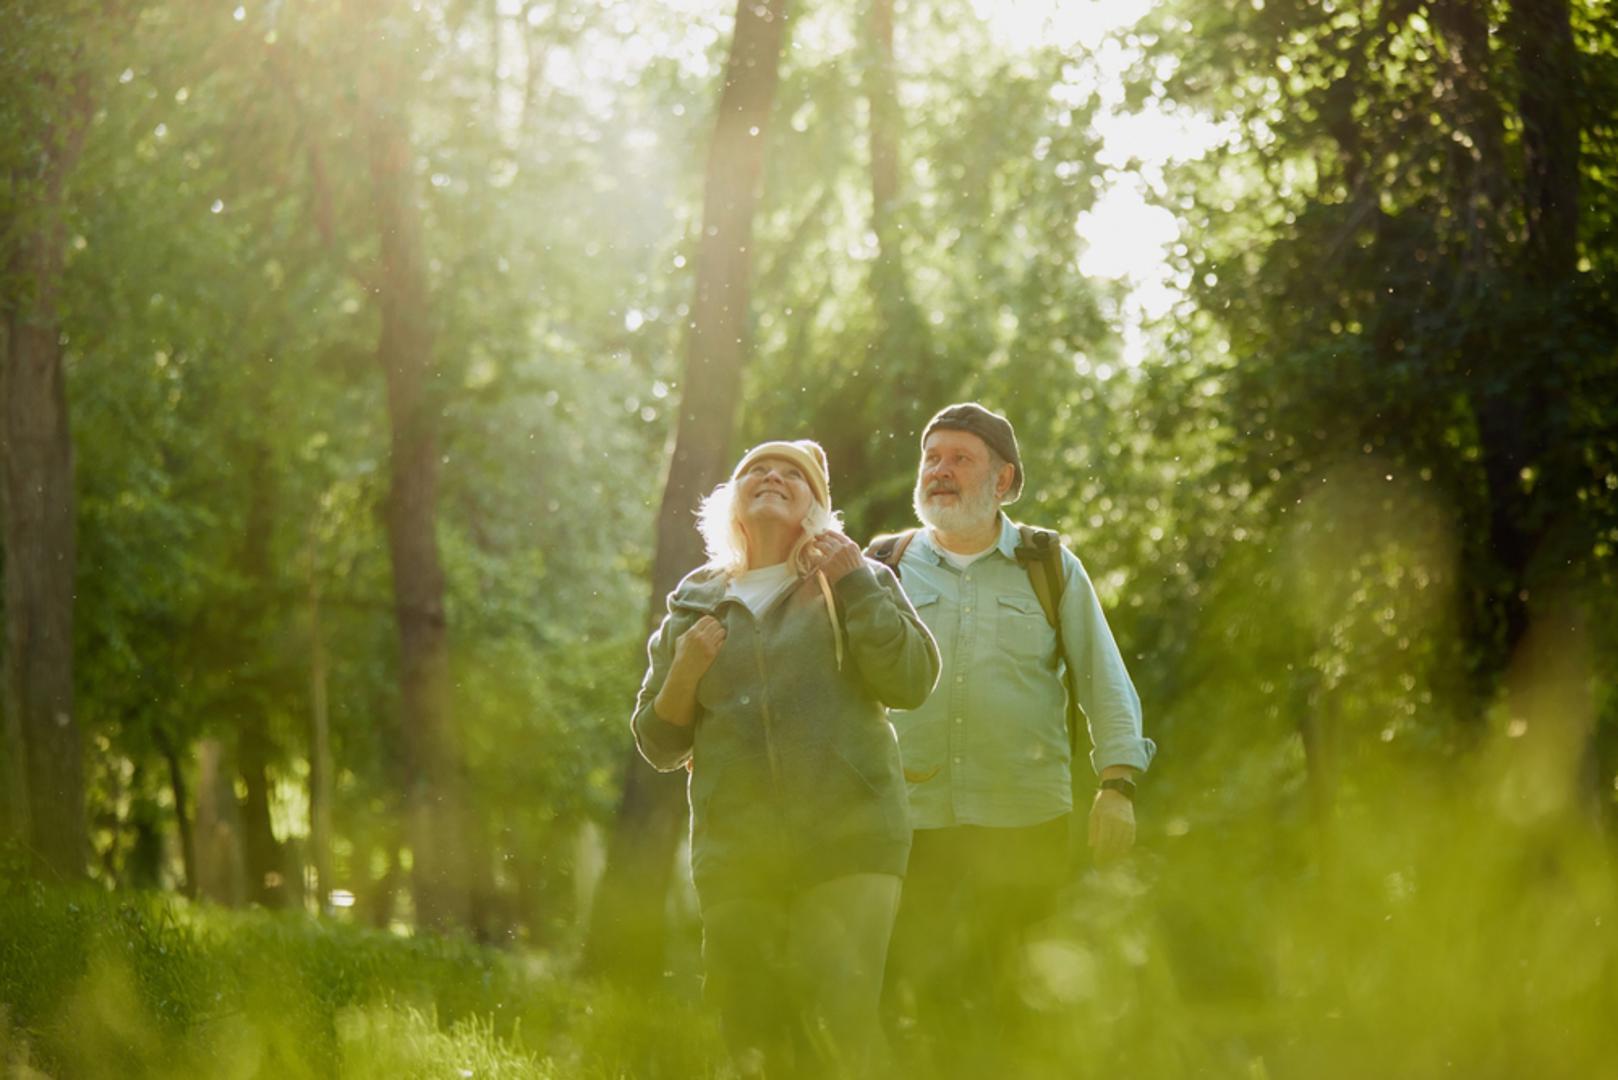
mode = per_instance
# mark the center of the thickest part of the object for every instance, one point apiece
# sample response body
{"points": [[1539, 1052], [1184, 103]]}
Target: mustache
{"points": [[942, 487]]}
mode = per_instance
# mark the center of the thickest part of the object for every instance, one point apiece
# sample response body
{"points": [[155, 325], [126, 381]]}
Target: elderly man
{"points": [[988, 757]]}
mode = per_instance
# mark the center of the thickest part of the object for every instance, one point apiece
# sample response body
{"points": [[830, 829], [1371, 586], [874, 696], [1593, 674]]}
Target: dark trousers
{"points": [[970, 897], [798, 979]]}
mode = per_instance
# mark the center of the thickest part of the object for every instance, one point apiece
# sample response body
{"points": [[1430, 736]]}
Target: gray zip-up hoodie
{"points": [[795, 775]]}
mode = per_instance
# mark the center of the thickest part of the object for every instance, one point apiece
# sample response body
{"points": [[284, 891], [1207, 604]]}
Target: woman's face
{"points": [[773, 491]]}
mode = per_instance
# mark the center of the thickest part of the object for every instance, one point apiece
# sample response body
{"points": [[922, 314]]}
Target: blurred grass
{"points": [[1428, 928], [107, 985], [1418, 933]]}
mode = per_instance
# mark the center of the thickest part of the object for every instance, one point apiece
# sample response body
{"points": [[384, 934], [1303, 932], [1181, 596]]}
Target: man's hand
{"points": [[1112, 826], [839, 556]]}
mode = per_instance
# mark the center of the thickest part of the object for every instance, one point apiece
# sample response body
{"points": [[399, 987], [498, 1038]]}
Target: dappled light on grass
{"points": [[100, 986], [1424, 934], [392, 1044], [1421, 935]]}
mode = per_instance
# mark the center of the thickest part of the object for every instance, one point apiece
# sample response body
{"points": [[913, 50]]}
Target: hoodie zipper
{"points": [[764, 705]]}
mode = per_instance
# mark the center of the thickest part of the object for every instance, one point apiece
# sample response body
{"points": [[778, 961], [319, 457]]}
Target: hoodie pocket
{"points": [[834, 797]]}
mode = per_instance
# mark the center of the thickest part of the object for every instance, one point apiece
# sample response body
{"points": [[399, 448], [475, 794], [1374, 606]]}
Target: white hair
{"points": [[721, 527]]}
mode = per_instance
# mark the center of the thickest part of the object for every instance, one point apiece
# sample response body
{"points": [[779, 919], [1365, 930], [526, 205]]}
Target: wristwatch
{"points": [[1123, 785]]}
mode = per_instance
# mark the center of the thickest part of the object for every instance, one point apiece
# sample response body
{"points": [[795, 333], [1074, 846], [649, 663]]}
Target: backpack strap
{"points": [[1039, 552], [889, 548]]}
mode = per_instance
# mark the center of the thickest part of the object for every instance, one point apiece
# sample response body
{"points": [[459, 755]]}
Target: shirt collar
{"points": [[1010, 537]]}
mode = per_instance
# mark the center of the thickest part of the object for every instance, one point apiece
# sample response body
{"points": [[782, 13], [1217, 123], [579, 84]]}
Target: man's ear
{"points": [[1003, 482]]}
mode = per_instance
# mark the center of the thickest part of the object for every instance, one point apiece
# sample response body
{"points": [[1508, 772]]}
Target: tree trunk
{"points": [[405, 352], [220, 877], [1541, 38], [903, 338], [1548, 100], [182, 820], [44, 752], [627, 926], [896, 308], [1480, 172], [320, 765], [143, 860], [882, 99], [262, 855], [375, 902]]}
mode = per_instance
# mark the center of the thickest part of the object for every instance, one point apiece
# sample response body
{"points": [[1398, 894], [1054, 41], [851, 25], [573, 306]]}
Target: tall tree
{"points": [[267, 878], [901, 341], [900, 326], [320, 760], [405, 351], [1549, 100], [43, 746], [627, 925]]}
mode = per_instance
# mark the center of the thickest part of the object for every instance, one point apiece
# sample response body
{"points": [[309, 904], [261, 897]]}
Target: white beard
{"points": [[971, 509]]}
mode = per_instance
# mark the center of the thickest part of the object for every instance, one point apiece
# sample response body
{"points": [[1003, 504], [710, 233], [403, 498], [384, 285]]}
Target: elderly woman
{"points": [[770, 679]]}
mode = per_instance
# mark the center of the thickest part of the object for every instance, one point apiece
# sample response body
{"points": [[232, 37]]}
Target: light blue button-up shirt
{"points": [[990, 746]]}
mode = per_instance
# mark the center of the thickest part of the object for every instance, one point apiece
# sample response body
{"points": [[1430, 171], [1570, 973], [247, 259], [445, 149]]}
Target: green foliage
{"points": [[1354, 522], [996, 162], [1454, 925], [1386, 404], [232, 442], [94, 985]]}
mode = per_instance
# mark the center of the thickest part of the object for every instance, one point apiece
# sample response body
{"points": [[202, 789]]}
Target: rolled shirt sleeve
{"points": [[1105, 691]]}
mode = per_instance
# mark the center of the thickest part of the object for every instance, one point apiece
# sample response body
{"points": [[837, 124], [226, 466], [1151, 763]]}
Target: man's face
{"points": [[958, 488]]}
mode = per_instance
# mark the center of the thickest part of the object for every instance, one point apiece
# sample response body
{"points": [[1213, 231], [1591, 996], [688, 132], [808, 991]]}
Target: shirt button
{"points": [[960, 720], [957, 761], [967, 609], [960, 678], [746, 700]]}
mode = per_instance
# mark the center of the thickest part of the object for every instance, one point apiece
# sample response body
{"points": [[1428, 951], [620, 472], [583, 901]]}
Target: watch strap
{"points": [[1122, 785]]}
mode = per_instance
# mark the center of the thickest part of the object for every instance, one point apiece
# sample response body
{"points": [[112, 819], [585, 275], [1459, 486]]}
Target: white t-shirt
{"points": [[759, 588], [961, 562]]}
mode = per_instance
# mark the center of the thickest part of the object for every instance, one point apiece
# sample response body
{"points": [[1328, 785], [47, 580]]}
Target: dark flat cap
{"points": [[992, 428]]}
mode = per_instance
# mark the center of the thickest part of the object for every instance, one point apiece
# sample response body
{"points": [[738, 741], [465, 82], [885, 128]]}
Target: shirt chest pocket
{"points": [[1021, 628], [923, 599]]}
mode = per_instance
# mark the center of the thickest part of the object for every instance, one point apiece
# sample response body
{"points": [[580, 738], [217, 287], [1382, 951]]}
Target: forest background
{"points": [[364, 361]]}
